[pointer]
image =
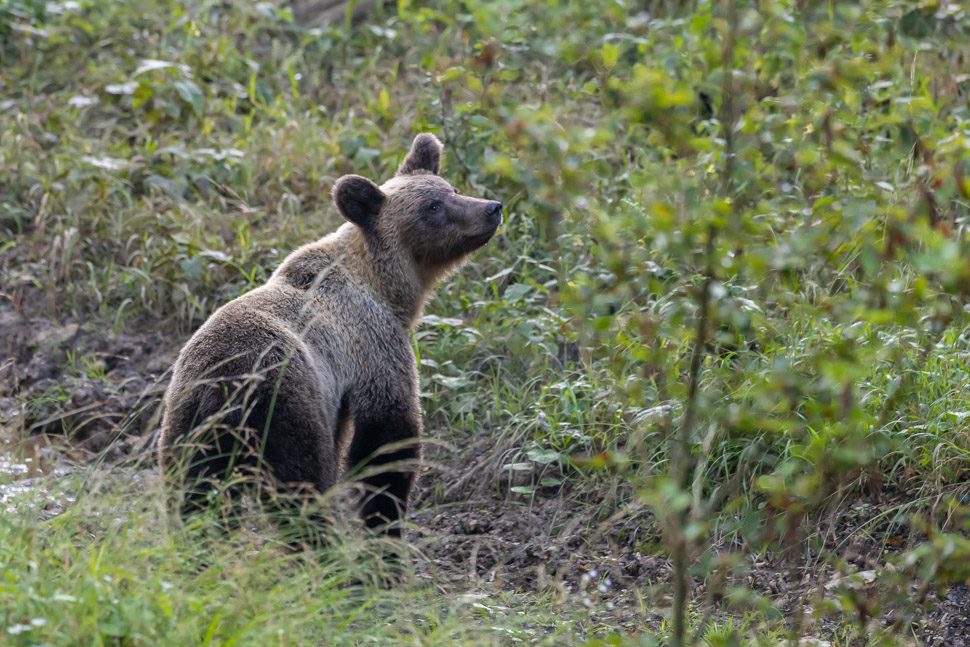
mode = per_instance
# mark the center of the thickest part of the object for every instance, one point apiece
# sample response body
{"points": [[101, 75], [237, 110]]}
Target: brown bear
{"points": [[318, 362]]}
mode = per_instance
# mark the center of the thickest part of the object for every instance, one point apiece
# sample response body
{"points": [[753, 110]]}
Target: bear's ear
{"points": [[358, 199], [425, 155]]}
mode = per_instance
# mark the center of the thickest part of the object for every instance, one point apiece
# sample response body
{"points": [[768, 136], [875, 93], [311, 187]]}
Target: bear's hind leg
{"points": [[296, 425], [385, 450], [266, 428]]}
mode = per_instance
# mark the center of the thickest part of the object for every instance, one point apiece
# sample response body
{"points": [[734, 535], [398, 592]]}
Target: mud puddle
{"points": [[26, 459]]}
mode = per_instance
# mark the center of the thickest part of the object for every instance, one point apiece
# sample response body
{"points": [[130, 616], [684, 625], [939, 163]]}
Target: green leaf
{"points": [[150, 64], [192, 267], [191, 94], [142, 93], [516, 291], [918, 23], [383, 100], [543, 456], [611, 54]]}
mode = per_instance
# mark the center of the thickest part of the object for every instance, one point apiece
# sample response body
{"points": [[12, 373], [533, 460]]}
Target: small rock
{"points": [[473, 526], [159, 365], [40, 387], [56, 335], [83, 395], [97, 442]]}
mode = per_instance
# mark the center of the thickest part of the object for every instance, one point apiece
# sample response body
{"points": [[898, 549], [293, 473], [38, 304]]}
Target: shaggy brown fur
{"points": [[320, 357]]}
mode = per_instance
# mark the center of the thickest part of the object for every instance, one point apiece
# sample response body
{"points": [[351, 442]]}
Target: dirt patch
{"points": [[544, 545], [952, 617], [98, 389], [611, 564]]}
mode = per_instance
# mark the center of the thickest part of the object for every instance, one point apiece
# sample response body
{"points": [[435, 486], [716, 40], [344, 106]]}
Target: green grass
{"points": [[113, 568], [727, 303]]}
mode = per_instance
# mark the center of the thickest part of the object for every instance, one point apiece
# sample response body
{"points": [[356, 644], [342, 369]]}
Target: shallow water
{"points": [[26, 459], [22, 463]]}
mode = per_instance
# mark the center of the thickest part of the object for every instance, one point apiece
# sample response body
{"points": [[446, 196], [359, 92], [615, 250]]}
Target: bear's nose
{"points": [[494, 212]]}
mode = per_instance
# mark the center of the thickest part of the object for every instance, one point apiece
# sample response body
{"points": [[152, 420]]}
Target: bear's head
{"points": [[417, 211]]}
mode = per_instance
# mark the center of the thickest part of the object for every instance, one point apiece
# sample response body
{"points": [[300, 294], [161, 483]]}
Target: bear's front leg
{"points": [[385, 451]]}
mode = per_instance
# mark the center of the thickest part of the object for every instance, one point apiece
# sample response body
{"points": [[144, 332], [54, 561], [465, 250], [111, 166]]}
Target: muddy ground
{"points": [[98, 394]]}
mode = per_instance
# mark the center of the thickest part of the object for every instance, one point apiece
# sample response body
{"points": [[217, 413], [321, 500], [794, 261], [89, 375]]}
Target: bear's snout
{"points": [[494, 213]]}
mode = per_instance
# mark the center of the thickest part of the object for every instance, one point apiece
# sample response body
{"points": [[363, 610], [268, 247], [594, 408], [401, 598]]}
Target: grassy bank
{"points": [[110, 567]]}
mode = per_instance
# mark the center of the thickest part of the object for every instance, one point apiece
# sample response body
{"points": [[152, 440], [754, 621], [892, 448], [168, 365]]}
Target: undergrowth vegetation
{"points": [[729, 300], [137, 577]]}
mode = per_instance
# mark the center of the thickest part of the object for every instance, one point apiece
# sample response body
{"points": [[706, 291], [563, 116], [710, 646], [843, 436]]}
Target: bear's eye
{"points": [[456, 190], [434, 207]]}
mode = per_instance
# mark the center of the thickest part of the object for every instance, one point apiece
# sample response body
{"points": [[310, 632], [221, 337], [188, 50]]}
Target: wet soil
{"points": [[73, 393], [98, 390]]}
